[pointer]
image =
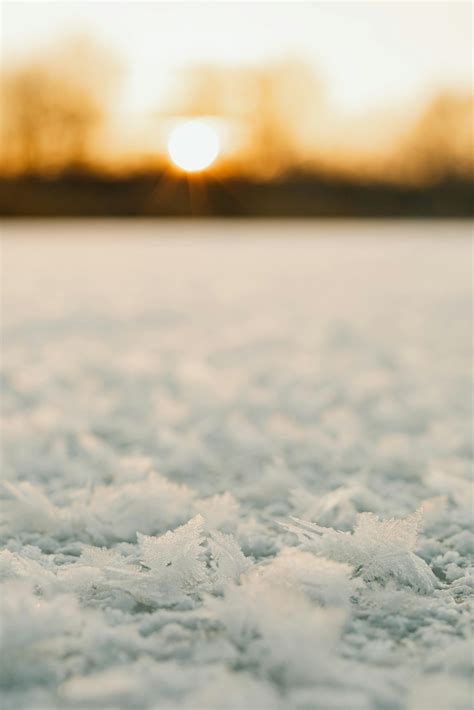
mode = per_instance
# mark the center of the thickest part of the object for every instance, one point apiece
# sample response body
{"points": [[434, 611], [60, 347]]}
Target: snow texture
{"points": [[235, 467]]}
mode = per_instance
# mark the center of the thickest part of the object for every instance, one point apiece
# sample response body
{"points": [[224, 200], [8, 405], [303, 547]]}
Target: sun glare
{"points": [[193, 145]]}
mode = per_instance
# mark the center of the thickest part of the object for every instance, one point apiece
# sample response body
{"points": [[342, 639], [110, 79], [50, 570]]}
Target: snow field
{"points": [[236, 470]]}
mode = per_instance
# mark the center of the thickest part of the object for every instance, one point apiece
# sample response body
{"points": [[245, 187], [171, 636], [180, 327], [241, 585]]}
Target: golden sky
{"points": [[371, 53], [377, 64]]}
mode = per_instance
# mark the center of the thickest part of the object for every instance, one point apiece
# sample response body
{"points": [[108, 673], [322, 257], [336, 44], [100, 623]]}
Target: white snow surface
{"points": [[235, 465]]}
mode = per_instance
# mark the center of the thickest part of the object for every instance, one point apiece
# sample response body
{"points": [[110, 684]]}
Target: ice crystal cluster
{"points": [[235, 473]]}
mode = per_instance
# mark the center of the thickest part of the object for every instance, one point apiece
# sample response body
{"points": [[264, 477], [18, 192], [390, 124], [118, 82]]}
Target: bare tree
{"points": [[53, 107], [440, 144]]}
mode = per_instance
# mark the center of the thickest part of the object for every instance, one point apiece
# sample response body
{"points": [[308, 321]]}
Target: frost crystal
{"points": [[339, 507], [378, 550], [227, 559], [175, 559]]}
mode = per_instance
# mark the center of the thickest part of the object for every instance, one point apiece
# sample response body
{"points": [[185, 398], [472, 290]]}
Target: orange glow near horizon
{"points": [[254, 89]]}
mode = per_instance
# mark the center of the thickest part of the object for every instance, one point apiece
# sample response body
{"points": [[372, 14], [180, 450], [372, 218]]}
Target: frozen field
{"points": [[236, 375]]}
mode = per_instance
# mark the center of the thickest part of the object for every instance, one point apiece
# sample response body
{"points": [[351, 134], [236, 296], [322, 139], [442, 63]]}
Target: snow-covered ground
{"points": [[235, 465]]}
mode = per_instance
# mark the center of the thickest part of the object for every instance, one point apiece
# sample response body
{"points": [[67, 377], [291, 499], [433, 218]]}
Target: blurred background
{"points": [[236, 109]]}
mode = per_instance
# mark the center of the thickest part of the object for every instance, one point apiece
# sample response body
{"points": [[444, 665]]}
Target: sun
{"points": [[193, 145]]}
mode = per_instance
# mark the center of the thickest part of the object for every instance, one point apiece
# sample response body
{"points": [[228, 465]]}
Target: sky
{"points": [[371, 54]]}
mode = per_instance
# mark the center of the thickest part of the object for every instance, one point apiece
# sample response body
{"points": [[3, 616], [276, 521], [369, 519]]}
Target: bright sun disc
{"points": [[193, 145]]}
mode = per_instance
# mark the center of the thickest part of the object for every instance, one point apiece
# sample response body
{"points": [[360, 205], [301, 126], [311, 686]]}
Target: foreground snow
{"points": [[235, 472]]}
